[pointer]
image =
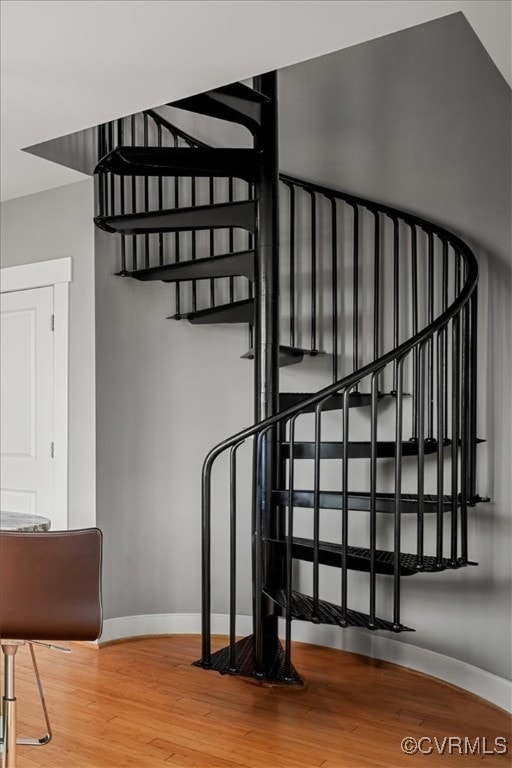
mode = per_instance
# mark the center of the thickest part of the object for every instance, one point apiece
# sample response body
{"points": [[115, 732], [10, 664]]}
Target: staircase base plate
{"points": [[274, 663]]}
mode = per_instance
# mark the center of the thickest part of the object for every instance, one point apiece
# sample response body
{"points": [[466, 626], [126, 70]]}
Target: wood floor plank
{"points": [[140, 704]]}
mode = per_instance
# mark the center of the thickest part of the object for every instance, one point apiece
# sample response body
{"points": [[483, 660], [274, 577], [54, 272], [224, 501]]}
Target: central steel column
{"points": [[266, 356]]}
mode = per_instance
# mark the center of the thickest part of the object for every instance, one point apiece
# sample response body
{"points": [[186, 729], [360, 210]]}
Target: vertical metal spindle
{"points": [[456, 384], [373, 493], [250, 247], [414, 325], [146, 192], [376, 285], [465, 421], [344, 511], [231, 241], [355, 291], [430, 349], [292, 265], [111, 175], [177, 286], [260, 513], [211, 188], [334, 268], [160, 197], [444, 306], [133, 136], [193, 244], [396, 297], [232, 557], [206, 503], [100, 187], [473, 413], [313, 271], [440, 401], [289, 550], [316, 508], [398, 494], [421, 456], [120, 142]]}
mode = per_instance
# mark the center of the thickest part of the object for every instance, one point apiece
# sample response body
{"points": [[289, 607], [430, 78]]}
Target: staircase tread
{"points": [[360, 501], [167, 272], [217, 216], [294, 351], [330, 449], [334, 402], [242, 91], [411, 563], [222, 162], [303, 609], [212, 312]]}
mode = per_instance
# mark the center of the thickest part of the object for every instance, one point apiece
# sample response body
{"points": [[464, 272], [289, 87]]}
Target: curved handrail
{"points": [[394, 354]]}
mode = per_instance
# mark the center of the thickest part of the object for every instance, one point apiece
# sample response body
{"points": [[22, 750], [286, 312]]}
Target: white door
{"points": [[27, 418]]}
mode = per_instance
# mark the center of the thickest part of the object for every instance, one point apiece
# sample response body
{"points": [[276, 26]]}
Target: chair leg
{"points": [[9, 705], [8, 740], [38, 742]]}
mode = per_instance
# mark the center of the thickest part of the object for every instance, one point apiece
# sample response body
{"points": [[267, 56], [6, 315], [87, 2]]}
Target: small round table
{"points": [[21, 521]]}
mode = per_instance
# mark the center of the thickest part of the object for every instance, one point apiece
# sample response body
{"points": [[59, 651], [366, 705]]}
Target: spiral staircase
{"points": [[372, 476]]}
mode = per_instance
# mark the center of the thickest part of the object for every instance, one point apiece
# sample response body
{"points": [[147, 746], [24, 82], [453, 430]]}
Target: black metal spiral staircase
{"points": [[373, 474]]}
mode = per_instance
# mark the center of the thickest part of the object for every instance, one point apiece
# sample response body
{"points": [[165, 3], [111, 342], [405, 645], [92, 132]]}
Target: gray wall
{"points": [[420, 119], [51, 225]]}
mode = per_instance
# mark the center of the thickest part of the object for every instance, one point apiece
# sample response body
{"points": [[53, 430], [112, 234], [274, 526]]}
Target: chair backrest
{"points": [[50, 585]]}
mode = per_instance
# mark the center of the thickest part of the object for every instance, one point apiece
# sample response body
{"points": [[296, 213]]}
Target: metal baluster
{"points": [[376, 285], [133, 137], [455, 422], [206, 557], [160, 193], [194, 244], [313, 271], [398, 494], [292, 265], [421, 456], [373, 493], [289, 550], [334, 267], [111, 175], [396, 297], [100, 177], [316, 508], [231, 242], [120, 141], [212, 242], [146, 191], [177, 286], [414, 310], [232, 556], [473, 413], [344, 511], [441, 396], [465, 420], [430, 349], [355, 291]]}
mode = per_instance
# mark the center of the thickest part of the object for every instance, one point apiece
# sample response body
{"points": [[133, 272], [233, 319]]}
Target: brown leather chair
{"points": [[50, 589]]}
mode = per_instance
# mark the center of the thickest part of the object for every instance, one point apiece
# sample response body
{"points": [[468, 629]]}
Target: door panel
{"points": [[27, 482]]}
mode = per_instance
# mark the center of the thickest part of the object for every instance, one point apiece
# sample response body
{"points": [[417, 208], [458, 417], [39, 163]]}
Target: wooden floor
{"points": [[142, 704]]}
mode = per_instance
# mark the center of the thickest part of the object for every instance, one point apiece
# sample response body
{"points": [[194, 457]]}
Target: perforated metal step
{"points": [[303, 608]]}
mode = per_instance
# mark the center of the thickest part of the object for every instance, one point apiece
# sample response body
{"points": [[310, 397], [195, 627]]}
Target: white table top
{"points": [[20, 521]]}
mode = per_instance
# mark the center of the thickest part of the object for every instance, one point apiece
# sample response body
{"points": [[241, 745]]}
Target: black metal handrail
{"points": [[461, 313]]}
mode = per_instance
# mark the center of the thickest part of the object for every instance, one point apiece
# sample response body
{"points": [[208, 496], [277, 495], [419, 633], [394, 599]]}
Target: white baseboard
{"points": [[494, 689]]}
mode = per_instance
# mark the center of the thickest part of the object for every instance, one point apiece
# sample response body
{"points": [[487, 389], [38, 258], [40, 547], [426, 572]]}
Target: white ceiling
{"points": [[70, 64]]}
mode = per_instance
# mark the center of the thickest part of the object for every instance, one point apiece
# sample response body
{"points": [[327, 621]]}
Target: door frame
{"points": [[55, 273]]}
